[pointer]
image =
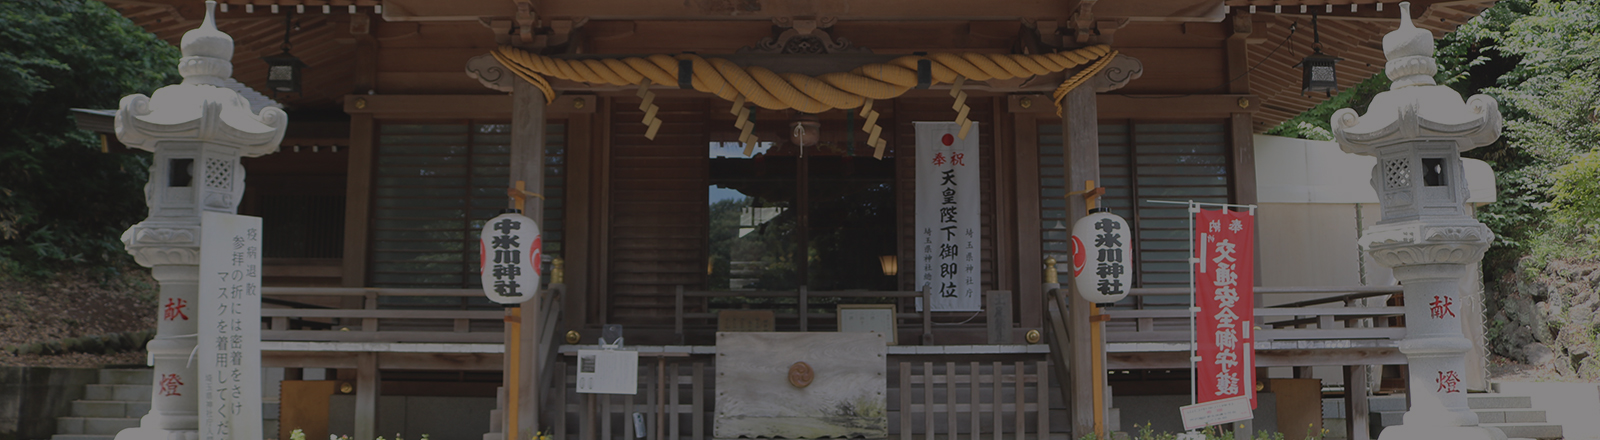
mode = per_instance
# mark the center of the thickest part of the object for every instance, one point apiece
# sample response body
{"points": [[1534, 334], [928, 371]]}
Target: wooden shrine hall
{"points": [[716, 172]]}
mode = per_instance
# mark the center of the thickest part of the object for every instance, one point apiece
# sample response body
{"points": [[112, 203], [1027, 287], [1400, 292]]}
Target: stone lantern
{"points": [[1417, 131], [198, 130]]}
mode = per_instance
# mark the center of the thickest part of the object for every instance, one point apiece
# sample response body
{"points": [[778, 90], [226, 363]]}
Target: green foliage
{"points": [[1551, 99], [63, 203], [1541, 61], [1313, 124]]}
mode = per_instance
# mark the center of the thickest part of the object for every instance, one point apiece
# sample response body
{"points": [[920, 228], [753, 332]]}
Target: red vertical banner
{"points": [[1224, 280]]}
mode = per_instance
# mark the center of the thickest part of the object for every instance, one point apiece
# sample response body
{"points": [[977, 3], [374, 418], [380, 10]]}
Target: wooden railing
{"points": [[930, 397], [418, 323], [802, 316], [1331, 315]]}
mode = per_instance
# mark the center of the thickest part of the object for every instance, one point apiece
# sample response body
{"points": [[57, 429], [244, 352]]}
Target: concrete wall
{"points": [[32, 397]]}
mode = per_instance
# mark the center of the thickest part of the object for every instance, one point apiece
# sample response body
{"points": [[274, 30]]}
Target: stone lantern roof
{"points": [[202, 107], [1415, 107]]}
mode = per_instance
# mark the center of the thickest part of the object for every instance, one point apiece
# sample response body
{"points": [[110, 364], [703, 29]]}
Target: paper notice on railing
{"points": [[1216, 412], [608, 371]]}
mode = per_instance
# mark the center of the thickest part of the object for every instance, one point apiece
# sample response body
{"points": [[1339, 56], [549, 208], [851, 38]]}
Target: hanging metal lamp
{"points": [[1318, 74], [283, 69]]}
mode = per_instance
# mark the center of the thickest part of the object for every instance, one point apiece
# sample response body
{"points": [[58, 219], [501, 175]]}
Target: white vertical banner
{"points": [[229, 313], [949, 232]]}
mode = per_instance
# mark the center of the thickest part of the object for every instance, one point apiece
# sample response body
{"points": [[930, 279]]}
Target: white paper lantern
{"points": [[508, 255], [1102, 265]]}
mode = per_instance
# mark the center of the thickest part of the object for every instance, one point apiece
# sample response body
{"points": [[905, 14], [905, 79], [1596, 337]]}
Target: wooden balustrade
{"points": [[1281, 322], [801, 316], [414, 323]]}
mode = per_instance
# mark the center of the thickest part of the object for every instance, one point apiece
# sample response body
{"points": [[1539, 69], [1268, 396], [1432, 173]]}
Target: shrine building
{"points": [[731, 182]]}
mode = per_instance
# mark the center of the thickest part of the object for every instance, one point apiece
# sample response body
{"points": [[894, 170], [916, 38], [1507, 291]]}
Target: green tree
{"points": [[1552, 102], [63, 203]]}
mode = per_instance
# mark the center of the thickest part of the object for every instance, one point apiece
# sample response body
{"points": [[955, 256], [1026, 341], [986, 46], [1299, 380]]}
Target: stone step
{"points": [[94, 425], [1386, 418], [1511, 416], [1488, 401], [130, 376], [125, 393], [109, 408], [1397, 402], [1529, 430], [81, 437]]}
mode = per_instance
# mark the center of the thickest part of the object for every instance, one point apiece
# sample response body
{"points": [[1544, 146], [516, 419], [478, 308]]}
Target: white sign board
{"points": [[229, 314], [877, 318], [1216, 412], [608, 372], [949, 232], [844, 395], [508, 257]]}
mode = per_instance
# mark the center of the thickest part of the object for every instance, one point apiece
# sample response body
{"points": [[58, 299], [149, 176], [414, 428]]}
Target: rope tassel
{"points": [[872, 129], [741, 121], [960, 106], [648, 106]]}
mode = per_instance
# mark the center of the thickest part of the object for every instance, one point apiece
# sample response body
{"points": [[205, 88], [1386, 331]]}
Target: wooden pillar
{"points": [[527, 165], [1081, 132], [358, 175], [366, 417], [1029, 253], [1355, 402], [357, 195], [580, 222], [1244, 156]]}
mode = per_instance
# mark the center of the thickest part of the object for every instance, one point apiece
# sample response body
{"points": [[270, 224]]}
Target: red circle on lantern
{"points": [[948, 139], [1080, 257]]}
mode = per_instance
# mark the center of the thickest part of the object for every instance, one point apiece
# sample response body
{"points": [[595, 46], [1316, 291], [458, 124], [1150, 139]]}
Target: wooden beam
{"points": [[488, 106], [471, 10], [1169, 106], [390, 361], [1264, 358], [1080, 126], [358, 193]]}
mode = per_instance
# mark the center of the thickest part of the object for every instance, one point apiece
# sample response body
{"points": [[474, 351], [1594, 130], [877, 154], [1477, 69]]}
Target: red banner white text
{"points": [[1224, 289]]}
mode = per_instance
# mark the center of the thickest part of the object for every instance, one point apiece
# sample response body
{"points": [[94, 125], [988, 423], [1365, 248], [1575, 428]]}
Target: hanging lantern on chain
{"points": [[1318, 72], [283, 69]]}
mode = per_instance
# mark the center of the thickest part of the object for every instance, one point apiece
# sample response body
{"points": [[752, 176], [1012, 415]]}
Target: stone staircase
{"points": [[497, 416], [114, 404], [1514, 415]]}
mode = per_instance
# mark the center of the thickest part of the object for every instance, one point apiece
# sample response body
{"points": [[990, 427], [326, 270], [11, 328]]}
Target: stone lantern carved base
{"points": [[1433, 242], [156, 244]]}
